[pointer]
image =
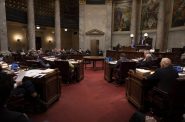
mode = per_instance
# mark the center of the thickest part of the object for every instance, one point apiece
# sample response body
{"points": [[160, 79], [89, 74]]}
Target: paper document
{"points": [[143, 72], [33, 72], [112, 62], [181, 74], [20, 76], [47, 71]]}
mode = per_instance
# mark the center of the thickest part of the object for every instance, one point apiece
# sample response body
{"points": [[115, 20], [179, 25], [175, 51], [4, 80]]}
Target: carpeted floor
{"points": [[91, 100]]}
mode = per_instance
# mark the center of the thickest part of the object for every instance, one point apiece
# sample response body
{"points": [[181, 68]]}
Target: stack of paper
{"points": [[46, 71], [33, 73], [4, 65], [181, 74], [20, 76], [143, 72], [112, 62]]}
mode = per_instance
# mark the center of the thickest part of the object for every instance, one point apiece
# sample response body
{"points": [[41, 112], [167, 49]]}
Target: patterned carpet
{"points": [[91, 100]]}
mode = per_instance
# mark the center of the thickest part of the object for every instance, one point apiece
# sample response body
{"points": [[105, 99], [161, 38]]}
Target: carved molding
{"points": [[108, 1], [94, 32], [82, 1]]}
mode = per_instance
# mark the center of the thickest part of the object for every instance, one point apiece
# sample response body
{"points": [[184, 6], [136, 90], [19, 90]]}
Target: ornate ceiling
{"points": [[44, 12]]}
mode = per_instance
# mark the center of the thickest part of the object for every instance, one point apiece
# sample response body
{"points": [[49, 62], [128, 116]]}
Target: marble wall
{"points": [[95, 17], [16, 31], [176, 38]]}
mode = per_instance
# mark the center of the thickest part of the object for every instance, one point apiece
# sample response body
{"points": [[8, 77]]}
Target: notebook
{"points": [[20, 76]]}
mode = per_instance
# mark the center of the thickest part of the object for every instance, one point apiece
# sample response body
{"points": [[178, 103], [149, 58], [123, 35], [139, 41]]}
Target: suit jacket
{"points": [[144, 64], [119, 62], [142, 42], [146, 41], [163, 78], [11, 116]]}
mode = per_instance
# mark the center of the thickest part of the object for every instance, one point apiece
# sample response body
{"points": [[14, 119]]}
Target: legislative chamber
{"points": [[92, 60]]}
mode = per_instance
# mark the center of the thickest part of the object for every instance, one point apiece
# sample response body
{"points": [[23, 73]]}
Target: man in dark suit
{"points": [[6, 86], [142, 41], [146, 41], [146, 62], [164, 76], [123, 58], [162, 79], [117, 69]]}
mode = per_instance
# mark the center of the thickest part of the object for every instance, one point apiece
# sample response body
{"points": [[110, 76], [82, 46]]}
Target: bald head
{"points": [[146, 52], [165, 62]]}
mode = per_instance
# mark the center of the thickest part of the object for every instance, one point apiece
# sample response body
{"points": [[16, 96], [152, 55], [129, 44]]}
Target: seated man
{"points": [[71, 66], [164, 76], [6, 86], [27, 89], [88, 52], [42, 63], [163, 80], [117, 69], [140, 117], [146, 62], [183, 54], [123, 58]]}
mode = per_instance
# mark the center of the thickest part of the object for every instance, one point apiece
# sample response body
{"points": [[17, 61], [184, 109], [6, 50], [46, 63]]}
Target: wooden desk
{"points": [[133, 54], [146, 47], [124, 67], [135, 90], [94, 59], [78, 67], [79, 70], [48, 87], [108, 71]]}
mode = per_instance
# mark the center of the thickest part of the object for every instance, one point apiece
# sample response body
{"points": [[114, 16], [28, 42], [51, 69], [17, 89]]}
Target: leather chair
{"points": [[65, 70], [16, 102], [20, 102], [169, 106], [33, 64], [122, 72]]}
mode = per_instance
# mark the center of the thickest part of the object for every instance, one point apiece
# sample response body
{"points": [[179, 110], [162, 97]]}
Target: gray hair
{"points": [[165, 62], [148, 57]]}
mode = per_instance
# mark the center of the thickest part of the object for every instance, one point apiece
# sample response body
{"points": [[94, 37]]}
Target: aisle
{"points": [[91, 100]]}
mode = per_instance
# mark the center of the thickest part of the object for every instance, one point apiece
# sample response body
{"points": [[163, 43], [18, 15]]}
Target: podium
{"points": [[146, 47]]}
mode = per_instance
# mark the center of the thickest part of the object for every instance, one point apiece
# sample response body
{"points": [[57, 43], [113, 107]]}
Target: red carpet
{"points": [[91, 100]]}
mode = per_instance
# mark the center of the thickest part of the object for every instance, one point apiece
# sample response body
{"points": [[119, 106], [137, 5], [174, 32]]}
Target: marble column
{"points": [[82, 25], [3, 27], [57, 25], [108, 35], [136, 20], [163, 24], [31, 25]]}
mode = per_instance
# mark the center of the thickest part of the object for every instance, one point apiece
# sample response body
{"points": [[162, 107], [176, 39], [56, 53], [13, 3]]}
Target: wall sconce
{"points": [[18, 40], [65, 29], [37, 27], [145, 34], [131, 35], [132, 41], [49, 41]]}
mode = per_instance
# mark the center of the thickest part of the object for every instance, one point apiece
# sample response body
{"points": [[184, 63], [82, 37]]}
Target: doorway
{"points": [[94, 47], [38, 42]]}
